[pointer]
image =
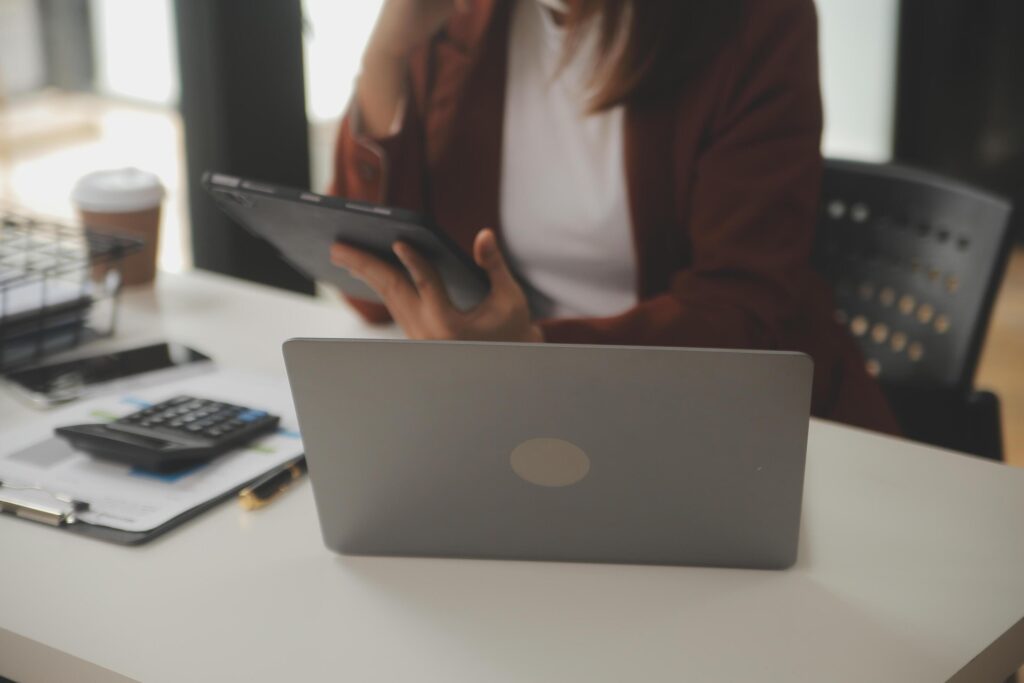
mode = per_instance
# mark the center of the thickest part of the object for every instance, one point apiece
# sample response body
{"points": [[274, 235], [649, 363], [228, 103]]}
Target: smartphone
{"points": [[52, 384]]}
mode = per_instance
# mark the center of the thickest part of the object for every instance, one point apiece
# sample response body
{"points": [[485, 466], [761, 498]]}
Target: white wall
{"points": [[858, 71], [22, 68]]}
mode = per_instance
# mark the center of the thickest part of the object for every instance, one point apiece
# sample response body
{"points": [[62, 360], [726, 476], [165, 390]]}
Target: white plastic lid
{"points": [[118, 191]]}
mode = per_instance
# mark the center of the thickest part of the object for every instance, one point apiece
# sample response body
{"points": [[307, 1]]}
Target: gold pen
{"points": [[269, 486]]}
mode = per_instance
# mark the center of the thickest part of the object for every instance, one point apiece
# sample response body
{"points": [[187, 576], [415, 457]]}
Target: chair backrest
{"points": [[915, 260]]}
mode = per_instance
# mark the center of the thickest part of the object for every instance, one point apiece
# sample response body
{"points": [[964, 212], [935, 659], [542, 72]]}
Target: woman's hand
{"points": [[402, 26], [421, 306]]}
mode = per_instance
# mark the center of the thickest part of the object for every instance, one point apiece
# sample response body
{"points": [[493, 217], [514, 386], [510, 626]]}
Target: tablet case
{"points": [[302, 226]]}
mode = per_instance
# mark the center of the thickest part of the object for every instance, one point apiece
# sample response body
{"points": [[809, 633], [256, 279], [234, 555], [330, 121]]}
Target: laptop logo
{"points": [[550, 462]]}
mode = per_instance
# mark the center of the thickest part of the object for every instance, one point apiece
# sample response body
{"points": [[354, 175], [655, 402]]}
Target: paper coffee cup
{"points": [[125, 201]]}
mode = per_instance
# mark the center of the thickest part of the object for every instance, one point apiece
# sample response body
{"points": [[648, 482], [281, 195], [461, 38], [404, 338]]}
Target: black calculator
{"points": [[172, 435]]}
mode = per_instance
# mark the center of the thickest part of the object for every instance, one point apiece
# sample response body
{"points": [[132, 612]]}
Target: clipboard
{"points": [[104, 533], [43, 479]]}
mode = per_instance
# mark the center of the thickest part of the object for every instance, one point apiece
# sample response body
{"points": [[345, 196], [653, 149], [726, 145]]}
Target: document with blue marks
{"points": [[39, 468]]}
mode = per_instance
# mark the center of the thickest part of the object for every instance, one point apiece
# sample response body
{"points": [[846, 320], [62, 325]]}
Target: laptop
{"points": [[554, 452]]}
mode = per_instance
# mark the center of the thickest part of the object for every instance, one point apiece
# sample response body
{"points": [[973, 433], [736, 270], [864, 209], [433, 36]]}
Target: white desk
{"points": [[911, 569]]}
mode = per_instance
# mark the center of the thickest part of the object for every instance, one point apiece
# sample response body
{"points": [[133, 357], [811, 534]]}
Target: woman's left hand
{"points": [[420, 305]]}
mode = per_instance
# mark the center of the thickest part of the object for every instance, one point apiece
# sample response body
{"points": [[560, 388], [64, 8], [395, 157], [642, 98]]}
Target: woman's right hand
{"points": [[402, 26]]}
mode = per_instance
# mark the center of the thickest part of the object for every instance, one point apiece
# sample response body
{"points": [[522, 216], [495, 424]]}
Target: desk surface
{"points": [[911, 568]]}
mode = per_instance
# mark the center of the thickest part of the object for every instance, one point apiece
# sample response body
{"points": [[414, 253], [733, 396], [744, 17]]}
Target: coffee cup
{"points": [[124, 201]]}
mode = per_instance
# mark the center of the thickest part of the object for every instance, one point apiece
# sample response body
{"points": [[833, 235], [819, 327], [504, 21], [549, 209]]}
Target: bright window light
{"points": [[858, 77], [336, 35], [136, 56]]}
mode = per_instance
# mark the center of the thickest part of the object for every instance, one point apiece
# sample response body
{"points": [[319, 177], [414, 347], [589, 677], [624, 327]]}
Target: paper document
{"points": [[122, 497]]}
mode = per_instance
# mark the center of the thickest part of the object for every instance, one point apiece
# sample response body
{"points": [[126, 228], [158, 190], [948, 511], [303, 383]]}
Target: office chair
{"points": [[916, 261]]}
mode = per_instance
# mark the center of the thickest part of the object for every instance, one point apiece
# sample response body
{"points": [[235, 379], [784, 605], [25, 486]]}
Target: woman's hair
{"points": [[648, 49]]}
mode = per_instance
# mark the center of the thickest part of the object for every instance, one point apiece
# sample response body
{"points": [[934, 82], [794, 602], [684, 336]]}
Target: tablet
{"points": [[302, 226]]}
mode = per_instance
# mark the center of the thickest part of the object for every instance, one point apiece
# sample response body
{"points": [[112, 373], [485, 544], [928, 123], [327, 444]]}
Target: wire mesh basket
{"points": [[59, 286]]}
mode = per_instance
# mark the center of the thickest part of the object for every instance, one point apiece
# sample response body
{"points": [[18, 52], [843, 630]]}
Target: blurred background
{"points": [[87, 84], [257, 87]]}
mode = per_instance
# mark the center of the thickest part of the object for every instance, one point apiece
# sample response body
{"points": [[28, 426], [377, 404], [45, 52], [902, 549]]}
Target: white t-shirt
{"points": [[565, 215]]}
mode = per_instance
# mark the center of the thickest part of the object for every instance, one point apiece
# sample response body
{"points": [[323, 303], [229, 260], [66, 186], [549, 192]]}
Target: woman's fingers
{"points": [[421, 305], [489, 257], [424, 276], [389, 282]]}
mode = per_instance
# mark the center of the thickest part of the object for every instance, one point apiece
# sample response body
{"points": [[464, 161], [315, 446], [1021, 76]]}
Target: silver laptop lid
{"points": [[554, 452]]}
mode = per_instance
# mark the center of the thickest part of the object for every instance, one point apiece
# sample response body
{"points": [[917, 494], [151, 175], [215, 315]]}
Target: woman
{"points": [[652, 167]]}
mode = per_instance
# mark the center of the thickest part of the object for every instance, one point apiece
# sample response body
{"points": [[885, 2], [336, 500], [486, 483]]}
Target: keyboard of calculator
{"points": [[181, 431]]}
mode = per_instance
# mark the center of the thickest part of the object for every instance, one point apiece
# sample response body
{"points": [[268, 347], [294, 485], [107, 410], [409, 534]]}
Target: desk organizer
{"points": [[59, 286]]}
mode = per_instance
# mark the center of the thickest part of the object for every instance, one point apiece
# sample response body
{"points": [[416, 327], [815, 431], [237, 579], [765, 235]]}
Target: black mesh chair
{"points": [[916, 261]]}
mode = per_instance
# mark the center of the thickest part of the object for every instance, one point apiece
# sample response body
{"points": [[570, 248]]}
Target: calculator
{"points": [[172, 435]]}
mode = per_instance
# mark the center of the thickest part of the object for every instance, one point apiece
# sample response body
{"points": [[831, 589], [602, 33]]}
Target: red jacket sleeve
{"points": [[381, 171], [753, 205]]}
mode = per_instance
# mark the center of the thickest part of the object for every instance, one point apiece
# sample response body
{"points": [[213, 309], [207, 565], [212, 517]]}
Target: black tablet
{"points": [[302, 226]]}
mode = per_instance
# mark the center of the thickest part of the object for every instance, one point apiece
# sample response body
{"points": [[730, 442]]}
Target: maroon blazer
{"points": [[723, 181]]}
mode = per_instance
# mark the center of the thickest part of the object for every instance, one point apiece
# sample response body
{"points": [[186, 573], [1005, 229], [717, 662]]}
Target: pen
{"points": [[267, 487]]}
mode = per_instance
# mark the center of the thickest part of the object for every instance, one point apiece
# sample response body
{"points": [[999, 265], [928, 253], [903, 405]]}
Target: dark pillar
{"points": [[960, 102], [243, 106]]}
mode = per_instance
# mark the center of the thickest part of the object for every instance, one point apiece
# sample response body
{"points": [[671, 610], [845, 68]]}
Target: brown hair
{"points": [[648, 49]]}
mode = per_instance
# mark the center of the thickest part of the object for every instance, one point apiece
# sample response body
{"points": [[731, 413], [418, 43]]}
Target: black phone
{"points": [[50, 384]]}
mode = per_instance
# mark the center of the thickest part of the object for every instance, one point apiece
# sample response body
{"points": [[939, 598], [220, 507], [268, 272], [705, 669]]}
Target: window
{"points": [[125, 113]]}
